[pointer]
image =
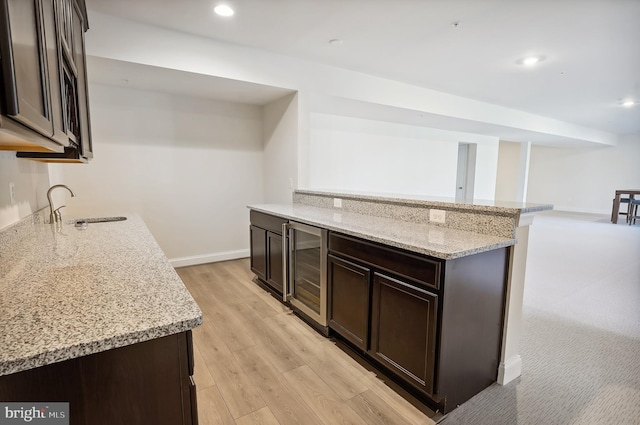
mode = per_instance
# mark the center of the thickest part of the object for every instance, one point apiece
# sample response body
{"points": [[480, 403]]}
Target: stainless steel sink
{"points": [[99, 219]]}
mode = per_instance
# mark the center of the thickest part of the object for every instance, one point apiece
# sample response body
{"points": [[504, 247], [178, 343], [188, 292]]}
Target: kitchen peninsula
{"points": [[97, 317], [429, 289]]}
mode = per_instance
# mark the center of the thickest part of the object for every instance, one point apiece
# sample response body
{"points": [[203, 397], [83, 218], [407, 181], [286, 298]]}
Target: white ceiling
{"points": [[592, 47]]}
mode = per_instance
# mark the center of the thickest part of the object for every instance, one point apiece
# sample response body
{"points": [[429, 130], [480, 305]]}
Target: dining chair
{"points": [[633, 211], [625, 213]]}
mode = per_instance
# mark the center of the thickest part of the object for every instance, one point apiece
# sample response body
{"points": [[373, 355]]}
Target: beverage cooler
{"points": [[305, 270]]}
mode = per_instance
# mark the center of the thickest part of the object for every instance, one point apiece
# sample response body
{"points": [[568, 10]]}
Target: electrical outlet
{"points": [[437, 216], [12, 193], [337, 203]]}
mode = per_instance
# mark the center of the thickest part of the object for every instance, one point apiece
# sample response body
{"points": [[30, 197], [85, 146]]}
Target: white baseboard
{"points": [[581, 210], [208, 258], [509, 370]]}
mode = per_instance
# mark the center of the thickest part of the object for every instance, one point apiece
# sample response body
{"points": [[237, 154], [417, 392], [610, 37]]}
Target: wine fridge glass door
{"points": [[307, 255]]}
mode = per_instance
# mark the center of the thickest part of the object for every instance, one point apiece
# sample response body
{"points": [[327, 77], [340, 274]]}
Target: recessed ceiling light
{"points": [[530, 60], [628, 103], [223, 10]]}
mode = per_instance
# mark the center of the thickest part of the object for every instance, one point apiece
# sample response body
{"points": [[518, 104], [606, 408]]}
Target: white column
{"points": [[523, 172], [510, 361]]}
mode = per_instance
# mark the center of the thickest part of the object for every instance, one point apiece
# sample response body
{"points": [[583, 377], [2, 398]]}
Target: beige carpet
{"points": [[581, 330]]}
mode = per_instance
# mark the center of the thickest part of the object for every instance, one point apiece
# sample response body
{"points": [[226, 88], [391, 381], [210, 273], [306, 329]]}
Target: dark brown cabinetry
{"points": [[26, 81], [274, 260], [44, 101], [258, 247], [349, 292], [383, 306], [403, 330], [434, 325], [146, 383], [266, 249]]}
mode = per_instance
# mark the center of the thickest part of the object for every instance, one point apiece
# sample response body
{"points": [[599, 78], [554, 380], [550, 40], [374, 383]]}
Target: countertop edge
{"points": [[93, 347]]}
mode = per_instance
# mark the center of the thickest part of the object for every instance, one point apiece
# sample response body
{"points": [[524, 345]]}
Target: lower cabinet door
{"points": [[403, 330], [349, 296], [258, 246], [274, 262]]}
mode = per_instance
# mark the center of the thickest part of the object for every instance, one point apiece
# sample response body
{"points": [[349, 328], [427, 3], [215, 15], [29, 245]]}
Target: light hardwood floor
{"points": [[257, 363]]}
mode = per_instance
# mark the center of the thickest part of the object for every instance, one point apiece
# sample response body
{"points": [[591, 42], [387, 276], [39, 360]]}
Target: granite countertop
{"points": [[66, 293], [480, 205], [433, 240]]}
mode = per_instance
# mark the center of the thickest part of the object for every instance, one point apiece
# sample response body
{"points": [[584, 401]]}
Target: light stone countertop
{"points": [[433, 240], [66, 293], [477, 205]]}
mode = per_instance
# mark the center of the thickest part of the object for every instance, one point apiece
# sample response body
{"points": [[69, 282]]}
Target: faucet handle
{"points": [[57, 215]]}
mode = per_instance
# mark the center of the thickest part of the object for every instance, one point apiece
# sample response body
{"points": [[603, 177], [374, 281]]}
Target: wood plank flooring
{"points": [[257, 363]]}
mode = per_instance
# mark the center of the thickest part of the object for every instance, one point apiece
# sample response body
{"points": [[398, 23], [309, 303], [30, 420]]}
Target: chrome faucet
{"points": [[54, 215]]}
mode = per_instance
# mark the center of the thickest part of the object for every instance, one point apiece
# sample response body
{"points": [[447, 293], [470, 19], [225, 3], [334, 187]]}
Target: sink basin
{"points": [[99, 219]]}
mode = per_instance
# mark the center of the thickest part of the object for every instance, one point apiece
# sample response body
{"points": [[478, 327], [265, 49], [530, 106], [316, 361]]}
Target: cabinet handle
{"points": [[285, 262]]}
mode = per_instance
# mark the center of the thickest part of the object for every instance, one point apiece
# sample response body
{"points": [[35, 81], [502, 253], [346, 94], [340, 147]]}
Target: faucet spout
{"points": [[54, 218]]}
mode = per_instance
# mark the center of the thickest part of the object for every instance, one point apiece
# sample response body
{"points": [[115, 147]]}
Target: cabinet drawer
{"points": [[267, 221], [401, 263]]}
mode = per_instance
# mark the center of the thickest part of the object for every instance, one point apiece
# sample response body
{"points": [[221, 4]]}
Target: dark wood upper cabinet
{"points": [[44, 96], [82, 91], [26, 102]]}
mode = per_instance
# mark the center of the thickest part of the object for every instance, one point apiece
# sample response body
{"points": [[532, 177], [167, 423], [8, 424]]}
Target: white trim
{"points": [[509, 370], [523, 171], [525, 219], [582, 210], [510, 363], [208, 258]]}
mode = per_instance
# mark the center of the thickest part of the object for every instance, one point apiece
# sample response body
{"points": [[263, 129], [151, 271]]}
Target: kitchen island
{"points": [[96, 317], [427, 288]]}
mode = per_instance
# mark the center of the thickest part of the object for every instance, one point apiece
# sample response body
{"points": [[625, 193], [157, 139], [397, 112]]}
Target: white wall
{"points": [[188, 166], [280, 140], [358, 154], [31, 181], [584, 179], [508, 171], [486, 167]]}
